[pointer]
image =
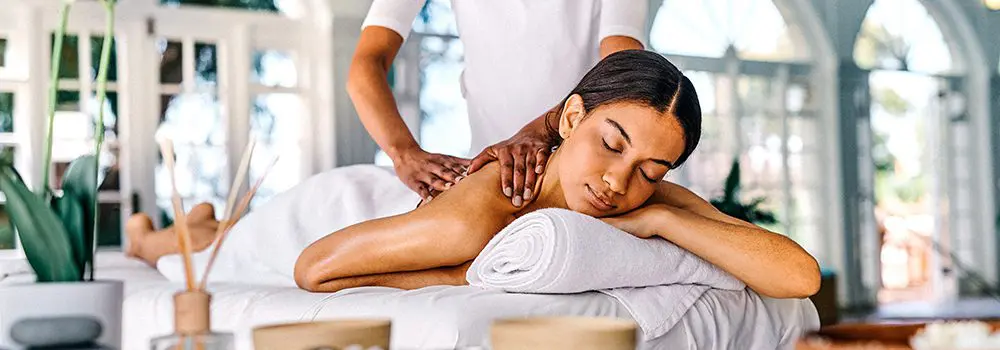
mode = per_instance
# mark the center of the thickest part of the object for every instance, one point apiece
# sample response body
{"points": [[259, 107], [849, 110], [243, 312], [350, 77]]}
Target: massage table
{"points": [[440, 317]]}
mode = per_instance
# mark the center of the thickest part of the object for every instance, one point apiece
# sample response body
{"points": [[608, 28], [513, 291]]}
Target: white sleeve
{"points": [[396, 15], [624, 18]]}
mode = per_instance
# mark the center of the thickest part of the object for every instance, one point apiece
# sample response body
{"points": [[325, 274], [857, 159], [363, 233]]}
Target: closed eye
{"points": [[651, 180], [608, 147]]}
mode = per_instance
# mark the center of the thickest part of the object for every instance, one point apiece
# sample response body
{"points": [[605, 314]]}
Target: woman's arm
{"points": [[448, 231], [451, 276], [769, 263]]}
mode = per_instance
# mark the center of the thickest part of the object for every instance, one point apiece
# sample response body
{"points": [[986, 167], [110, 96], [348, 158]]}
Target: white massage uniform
{"points": [[521, 56]]}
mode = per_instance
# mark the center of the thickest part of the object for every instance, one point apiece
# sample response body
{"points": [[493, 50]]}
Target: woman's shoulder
{"points": [[475, 201]]}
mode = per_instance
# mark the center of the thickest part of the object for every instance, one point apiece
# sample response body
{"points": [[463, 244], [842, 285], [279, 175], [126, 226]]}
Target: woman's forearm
{"points": [[453, 276], [770, 264], [382, 246]]}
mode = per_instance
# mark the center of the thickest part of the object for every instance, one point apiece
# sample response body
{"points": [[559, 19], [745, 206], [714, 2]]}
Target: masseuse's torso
{"points": [[521, 58]]}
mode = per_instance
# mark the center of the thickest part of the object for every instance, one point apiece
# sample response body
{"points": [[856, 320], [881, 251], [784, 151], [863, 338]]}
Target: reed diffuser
{"points": [[192, 321]]}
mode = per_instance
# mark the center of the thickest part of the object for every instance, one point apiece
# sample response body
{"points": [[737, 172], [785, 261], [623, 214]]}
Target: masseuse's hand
{"points": [[522, 158], [429, 173]]}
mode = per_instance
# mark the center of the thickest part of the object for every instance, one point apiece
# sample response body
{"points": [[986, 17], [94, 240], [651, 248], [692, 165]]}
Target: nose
{"points": [[617, 180]]}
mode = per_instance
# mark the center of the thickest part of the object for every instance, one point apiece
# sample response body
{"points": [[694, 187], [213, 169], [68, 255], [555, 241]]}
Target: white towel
{"points": [[561, 251]]}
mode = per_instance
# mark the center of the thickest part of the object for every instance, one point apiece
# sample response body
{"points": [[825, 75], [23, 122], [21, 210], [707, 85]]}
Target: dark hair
{"points": [[646, 78]]}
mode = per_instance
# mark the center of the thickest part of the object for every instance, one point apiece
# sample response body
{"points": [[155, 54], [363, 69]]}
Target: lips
{"points": [[597, 200]]}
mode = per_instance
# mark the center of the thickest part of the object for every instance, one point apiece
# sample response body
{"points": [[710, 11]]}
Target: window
{"points": [[11, 132], [902, 35], [276, 123], [7, 238], [751, 70], [210, 132], [75, 120], [289, 7], [754, 28], [917, 132], [3, 52], [209, 87], [191, 116]]}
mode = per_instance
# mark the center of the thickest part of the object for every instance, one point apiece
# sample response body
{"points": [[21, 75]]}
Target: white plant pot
{"points": [[100, 300]]}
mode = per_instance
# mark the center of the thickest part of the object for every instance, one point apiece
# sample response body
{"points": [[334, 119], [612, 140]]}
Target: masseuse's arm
{"points": [[769, 263], [622, 25], [369, 90], [410, 250]]}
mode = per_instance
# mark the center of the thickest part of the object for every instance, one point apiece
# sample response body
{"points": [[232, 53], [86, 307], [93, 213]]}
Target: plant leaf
{"points": [[79, 177], [732, 188], [44, 239], [765, 217], [71, 212], [80, 186]]}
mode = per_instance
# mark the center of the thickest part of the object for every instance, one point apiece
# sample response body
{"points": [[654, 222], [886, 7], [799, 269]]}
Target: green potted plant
{"points": [[58, 235], [731, 204]]}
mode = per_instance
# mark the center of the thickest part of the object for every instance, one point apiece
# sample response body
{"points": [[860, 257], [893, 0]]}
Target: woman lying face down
{"points": [[629, 121]]}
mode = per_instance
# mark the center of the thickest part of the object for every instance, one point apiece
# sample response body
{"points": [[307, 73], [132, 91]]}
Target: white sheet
{"points": [[445, 317], [265, 244]]}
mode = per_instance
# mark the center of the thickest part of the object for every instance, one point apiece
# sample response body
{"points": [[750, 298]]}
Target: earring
{"points": [[553, 150]]}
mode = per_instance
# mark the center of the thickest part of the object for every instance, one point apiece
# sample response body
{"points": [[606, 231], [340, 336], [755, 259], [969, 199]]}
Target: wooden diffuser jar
{"points": [[192, 325], [191, 313]]}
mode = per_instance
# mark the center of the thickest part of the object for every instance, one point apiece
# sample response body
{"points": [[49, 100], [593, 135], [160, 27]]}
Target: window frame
{"points": [[137, 23]]}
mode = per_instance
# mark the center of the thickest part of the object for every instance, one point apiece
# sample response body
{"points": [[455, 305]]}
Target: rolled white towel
{"points": [[561, 251]]}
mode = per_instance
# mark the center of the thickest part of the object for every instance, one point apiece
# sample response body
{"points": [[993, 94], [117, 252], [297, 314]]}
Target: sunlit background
{"points": [[866, 128]]}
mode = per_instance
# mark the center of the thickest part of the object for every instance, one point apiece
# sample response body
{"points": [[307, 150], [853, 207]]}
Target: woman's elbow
{"points": [[307, 278], [309, 274], [804, 283]]}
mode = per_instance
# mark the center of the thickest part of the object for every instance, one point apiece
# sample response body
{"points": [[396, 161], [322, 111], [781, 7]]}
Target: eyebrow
{"points": [[628, 140]]}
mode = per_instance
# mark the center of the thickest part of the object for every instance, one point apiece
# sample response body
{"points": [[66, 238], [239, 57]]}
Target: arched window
{"points": [[916, 151], [209, 74], [902, 35], [752, 70], [755, 29]]}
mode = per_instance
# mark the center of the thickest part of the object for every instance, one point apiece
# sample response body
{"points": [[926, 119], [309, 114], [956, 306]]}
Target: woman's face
{"points": [[612, 160]]}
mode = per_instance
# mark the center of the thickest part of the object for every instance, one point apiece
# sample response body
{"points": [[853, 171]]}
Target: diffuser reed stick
{"points": [[226, 225], [180, 219]]}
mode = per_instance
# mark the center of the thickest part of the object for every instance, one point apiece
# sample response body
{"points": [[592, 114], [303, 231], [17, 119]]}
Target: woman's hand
{"points": [[427, 173], [644, 222]]}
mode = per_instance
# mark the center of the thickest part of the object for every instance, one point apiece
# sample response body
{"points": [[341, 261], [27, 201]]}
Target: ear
{"points": [[572, 114]]}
